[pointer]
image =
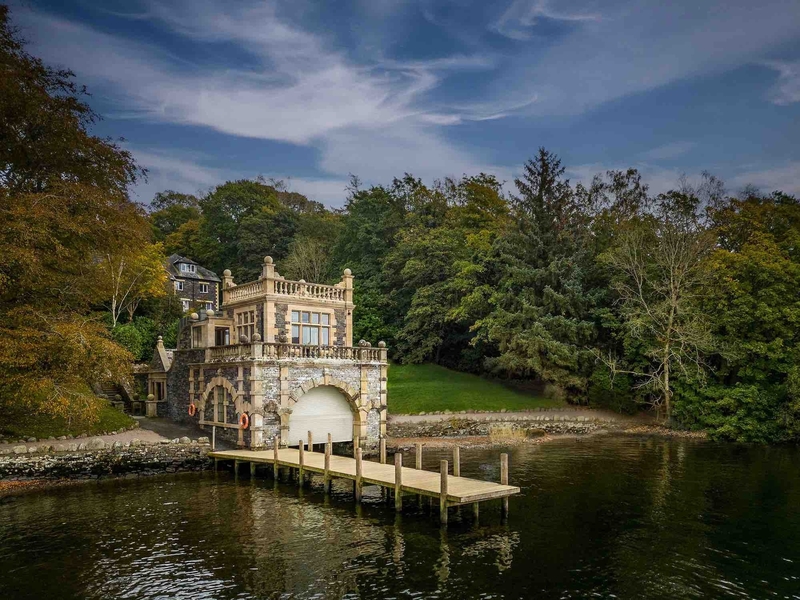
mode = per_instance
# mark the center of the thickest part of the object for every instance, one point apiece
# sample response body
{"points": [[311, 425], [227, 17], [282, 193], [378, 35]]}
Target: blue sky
{"points": [[310, 92]]}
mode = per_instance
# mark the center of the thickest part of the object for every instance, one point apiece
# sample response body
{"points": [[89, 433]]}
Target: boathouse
{"points": [[277, 359]]}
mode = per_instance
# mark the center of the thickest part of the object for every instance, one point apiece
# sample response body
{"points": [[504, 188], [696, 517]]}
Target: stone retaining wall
{"points": [[529, 427], [97, 460]]}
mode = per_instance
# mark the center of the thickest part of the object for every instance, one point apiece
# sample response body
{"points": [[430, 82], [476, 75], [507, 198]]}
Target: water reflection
{"points": [[624, 517]]}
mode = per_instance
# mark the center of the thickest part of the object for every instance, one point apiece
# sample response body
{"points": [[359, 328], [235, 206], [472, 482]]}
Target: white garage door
{"points": [[322, 410]]}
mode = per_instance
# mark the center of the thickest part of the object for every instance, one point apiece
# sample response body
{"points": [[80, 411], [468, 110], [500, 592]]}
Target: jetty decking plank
{"points": [[460, 490]]}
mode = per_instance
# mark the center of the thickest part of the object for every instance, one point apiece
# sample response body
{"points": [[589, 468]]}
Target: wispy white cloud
{"points": [[522, 15], [305, 92], [787, 88], [638, 46], [184, 174], [785, 178]]}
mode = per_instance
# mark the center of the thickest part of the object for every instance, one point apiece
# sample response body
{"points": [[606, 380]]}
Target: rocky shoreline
{"points": [[37, 466]]}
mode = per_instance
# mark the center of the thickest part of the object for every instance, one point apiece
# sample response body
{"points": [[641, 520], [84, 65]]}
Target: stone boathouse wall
{"points": [[267, 389]]}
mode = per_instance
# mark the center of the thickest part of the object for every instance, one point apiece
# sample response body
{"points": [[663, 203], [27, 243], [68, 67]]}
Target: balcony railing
{"points": [[283, 287], [243, 292], [278, 351]]}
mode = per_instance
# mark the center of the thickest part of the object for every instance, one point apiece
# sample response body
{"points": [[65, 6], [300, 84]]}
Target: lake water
{"points": [[609, 516]]}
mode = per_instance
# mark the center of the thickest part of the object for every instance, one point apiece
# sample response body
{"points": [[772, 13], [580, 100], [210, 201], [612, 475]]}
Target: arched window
{"points": [[221, 398]]}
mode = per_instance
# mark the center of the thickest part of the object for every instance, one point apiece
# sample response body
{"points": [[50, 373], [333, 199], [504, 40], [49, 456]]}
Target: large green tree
{"points": [[540, 307], [63, 205], [753, 311]]}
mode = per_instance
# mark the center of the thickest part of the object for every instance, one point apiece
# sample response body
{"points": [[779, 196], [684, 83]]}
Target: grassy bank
{"points": [[24, 426], [431, 388]]}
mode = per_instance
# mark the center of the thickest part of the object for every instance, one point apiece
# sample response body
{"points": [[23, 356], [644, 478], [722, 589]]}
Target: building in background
{"points": [[195, 286]]}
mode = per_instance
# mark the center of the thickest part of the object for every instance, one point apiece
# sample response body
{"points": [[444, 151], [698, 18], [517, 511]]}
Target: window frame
{"points": [[203, 288], [306, 326]]}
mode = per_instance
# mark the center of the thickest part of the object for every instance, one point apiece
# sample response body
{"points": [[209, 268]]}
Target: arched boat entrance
{"points": [[321, 410]]}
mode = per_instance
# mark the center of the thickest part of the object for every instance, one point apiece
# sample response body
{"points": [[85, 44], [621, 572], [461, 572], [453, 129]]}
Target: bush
{"points": [[130, 338], [148, 330], [170, 334], [617, 394], [740, 413]]}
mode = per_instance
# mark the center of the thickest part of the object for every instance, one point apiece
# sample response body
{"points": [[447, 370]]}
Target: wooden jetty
{"points": [[450, 490]]}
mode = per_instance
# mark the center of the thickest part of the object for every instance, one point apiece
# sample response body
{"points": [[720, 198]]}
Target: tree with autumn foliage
{"points": [[64, 207]]}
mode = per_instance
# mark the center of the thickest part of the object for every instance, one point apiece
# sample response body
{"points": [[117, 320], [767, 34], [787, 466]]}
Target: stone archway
{"points": [[322, 406], [220, 381]]}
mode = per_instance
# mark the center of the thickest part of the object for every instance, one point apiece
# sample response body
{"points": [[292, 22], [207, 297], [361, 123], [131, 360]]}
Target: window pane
{"points": [[314, 335], [295, 334], [306, 335], [315, 317], [306, 317], [325, 319], [295, 316], [325, 336]]}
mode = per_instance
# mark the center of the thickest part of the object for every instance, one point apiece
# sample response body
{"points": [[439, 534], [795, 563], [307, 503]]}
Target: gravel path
{"points": [[150, 430]]}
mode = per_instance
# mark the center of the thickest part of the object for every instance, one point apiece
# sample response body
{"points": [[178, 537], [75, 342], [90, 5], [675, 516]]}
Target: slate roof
{"points": [[202, 273]]}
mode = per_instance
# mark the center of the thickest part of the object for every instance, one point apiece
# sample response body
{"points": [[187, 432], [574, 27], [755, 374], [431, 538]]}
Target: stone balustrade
{"points": [[245, 291], [272, 283], [276, 351], [284, 287]]}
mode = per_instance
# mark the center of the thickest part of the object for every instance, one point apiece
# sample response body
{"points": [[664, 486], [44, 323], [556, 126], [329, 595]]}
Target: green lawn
{"points": [[431, 388], [41, 428]]}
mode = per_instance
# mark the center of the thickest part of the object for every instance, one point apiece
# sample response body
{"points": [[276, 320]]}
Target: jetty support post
{"points": [[504, 480], [252, 470], [456, 461], [383, 450], [418, 452], [300, 469], [275, 471], [359, 467], [310, 442], [326, 480], [216, 464], [236, 469], [398, 482], [443, 467]]}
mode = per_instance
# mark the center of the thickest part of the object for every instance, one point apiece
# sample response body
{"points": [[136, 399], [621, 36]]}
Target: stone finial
{"points": [[227, 279], [347, 284], [256, 337], [268, 270], [151, 397], [362, 343], [160, 342], [243, 339], [381, 344], [194, 316], [210, 312], [301, 281]]}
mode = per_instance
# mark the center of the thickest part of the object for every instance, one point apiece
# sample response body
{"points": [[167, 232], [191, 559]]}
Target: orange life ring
{"points": [[244, 421], [192, 409]]}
